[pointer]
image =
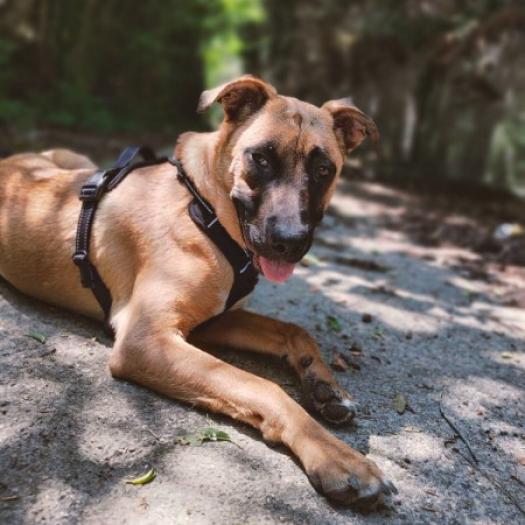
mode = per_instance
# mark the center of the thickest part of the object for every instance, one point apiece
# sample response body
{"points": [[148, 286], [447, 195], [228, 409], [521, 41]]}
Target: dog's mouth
{"points": [[275, 271]]}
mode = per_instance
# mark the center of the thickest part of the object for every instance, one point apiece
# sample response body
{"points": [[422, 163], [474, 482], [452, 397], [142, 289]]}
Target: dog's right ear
{"points": [[239, 98]]}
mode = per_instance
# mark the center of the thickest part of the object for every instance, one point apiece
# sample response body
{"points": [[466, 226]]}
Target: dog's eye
{"points": [[260, 160], [323, 171]]}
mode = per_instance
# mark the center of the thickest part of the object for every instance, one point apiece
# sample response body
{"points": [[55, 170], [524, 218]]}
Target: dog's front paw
{"points": [[346, 477], [329, 400]]}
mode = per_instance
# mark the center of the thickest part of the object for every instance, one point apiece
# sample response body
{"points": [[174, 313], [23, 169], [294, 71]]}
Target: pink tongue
{"points": [[276, 271]]}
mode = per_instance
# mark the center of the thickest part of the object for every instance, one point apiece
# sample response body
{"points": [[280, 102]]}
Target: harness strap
{"points": [[245, 276], [200, 210], [90, 195]]}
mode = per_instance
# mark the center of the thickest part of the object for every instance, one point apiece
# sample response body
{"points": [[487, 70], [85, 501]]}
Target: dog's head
{"points": [[279, 160]]}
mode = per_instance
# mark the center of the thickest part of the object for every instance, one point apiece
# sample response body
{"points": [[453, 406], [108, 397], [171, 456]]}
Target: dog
{"points": [[269, 172]]}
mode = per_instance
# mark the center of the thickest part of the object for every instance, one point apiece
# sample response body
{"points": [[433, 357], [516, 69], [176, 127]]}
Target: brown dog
{"points": [[277, 159]]}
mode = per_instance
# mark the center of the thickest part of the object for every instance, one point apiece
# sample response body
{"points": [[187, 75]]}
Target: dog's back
{"points": [[38, 195]]}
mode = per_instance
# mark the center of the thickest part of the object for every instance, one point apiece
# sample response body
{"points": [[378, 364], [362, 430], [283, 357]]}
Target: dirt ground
{"points": [[423, 324]]}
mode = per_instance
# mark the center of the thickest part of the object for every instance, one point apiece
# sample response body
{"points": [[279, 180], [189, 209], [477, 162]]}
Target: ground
{"points": [[421, 327]]}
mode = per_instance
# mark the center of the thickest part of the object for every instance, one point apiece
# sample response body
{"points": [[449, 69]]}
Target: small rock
{"points": [[366, 318]]}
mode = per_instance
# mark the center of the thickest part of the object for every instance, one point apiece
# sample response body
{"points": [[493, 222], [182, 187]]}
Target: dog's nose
{"points": [[289, 243]]}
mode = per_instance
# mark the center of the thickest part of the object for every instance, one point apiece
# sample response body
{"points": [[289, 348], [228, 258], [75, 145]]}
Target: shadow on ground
{"points": [[70, 435]]}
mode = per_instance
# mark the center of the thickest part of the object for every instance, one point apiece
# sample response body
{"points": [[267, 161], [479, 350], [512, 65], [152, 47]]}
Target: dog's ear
{"points": [[351, 125], [239, 98]]}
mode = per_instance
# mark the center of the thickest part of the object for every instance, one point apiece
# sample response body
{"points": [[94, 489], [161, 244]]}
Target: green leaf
{"points": [[37, 337], [202, 435], [400, 403], [212, 434], [145, 478], [378, 333], [333, 323]]}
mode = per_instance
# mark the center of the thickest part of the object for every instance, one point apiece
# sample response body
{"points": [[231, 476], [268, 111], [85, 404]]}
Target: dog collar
{"points": [[200, 210], [245, 275]]}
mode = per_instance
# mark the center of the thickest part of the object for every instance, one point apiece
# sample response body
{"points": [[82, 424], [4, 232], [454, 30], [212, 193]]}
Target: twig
{"points": [[152, 433], [455, 428], [9, 498], [498, 484], [49, 352], [475, 465]]}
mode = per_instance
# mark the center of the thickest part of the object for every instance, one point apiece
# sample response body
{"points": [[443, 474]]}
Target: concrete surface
{"points": [[70, 435]]}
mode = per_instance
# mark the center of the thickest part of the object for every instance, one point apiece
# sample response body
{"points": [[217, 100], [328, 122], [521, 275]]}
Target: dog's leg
{"points": [[154, 354], [249, 331]]}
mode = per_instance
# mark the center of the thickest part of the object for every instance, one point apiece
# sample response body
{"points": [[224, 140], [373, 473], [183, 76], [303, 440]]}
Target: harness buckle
{"points": [[81, 260], [93, 189]]}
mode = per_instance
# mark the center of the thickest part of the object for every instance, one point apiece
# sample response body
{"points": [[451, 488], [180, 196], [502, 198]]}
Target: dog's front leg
{"points": [[152, 353], [249, 331]]}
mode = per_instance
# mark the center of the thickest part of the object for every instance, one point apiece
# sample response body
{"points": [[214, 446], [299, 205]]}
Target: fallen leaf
{"points": [[378, 333], [212, 434], [145, 478], [412, 429], [310, 260], [338, 363], [400, 403], [355, 350], [37, 337], [333, 323], [202, 435]]}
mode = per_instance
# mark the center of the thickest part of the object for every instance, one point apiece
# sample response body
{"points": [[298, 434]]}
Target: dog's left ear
{"points": [[351, 125], [239, 98]]}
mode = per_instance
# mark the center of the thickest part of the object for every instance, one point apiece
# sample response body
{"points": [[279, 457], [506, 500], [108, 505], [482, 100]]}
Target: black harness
{"points": [[200, 210]]}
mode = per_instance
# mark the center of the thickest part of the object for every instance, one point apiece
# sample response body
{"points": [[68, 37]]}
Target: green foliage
{"points": [[203, 435], [103, 66], [224, 46], [443, 80]]}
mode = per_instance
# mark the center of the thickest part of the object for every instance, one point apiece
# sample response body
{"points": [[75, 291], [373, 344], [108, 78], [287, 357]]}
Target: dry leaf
{"points": [[338, 363], [310, 260], [400, 403], [356, 350]]}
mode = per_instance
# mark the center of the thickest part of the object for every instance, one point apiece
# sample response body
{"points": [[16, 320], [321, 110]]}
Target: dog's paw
{"points": [[329, 400], [346, 477]]}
